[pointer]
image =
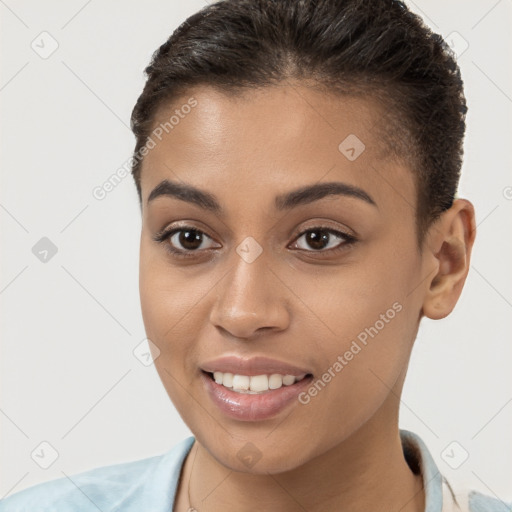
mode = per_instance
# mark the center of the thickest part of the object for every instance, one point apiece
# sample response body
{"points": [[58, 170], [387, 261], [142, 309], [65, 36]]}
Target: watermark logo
{"points": [[44, 250], [455, 455], [351, 147], [101, 191], [45, 45], [249, 249], [457, 43], [146, 352], [249, 454], [44, 455], [356, 347]]}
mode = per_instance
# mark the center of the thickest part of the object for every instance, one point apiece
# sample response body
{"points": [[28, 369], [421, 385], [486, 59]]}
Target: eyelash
{"points": [[164, 235]]}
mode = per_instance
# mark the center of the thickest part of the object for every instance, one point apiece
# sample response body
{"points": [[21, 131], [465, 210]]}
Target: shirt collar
{"points": [[416, 454], [418, 457]]}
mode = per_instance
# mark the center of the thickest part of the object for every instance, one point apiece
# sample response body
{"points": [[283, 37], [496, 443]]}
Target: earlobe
{"points": [[452, 239]]}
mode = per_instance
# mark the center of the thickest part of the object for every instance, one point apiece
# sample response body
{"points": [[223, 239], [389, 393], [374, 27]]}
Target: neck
{"points": [[367, 471]]}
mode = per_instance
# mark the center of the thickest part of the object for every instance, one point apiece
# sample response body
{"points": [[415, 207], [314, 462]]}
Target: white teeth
{"points": [[255, 383], [227, 380], [275, 381], [288, 380], [259, 383], [241, 382]]}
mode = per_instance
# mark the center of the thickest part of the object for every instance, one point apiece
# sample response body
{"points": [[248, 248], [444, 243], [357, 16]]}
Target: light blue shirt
{"points": [[149, 485]]}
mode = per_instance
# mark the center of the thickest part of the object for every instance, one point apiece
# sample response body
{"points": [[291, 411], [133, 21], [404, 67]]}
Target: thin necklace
{"points": [[191, 508]]}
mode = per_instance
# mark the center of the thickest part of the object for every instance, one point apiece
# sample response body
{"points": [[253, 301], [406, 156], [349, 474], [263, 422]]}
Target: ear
{"points": [[448, 250]]}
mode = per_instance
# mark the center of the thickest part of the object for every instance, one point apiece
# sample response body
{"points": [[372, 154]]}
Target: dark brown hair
{"points": [[354, 47]]}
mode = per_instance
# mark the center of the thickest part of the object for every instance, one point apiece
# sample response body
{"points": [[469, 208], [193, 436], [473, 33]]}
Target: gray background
{"points": [[69, 325]]}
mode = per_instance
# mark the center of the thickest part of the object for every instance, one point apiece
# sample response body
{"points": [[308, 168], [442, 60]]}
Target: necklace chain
{"points": [[190, 507]]}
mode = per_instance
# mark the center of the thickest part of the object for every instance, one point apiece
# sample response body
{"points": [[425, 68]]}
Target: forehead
{"points": [[276, 137]]}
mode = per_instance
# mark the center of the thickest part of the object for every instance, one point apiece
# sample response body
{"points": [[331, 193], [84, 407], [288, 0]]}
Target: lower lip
{"points": [[249, 407]]}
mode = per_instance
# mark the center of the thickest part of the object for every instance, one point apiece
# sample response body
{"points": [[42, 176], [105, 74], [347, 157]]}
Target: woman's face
{"points": [[270, 263]]}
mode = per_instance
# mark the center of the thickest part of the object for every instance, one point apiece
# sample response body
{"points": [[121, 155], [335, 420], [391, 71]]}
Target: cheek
{"points": [[361, 333], [174, 305], [153, 299], [165, 310], [162, 305], [164, 294]]}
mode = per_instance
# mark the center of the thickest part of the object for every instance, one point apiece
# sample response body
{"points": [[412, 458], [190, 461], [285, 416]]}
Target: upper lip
{"points": [[258, 365]]}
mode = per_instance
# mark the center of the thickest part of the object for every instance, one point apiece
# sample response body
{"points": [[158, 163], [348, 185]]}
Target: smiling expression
{"points": [[263, 238]]}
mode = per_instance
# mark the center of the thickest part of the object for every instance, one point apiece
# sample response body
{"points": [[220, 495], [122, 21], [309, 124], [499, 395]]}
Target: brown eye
{"points": [[186, 242], [317, 239], [188, 239], [322, 240]]}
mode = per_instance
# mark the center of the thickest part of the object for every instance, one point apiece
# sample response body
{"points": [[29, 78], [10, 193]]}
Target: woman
{"points": [[296, 164]]}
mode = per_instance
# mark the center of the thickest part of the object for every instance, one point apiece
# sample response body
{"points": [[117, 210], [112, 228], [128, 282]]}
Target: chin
{"points": [[259, 455]]}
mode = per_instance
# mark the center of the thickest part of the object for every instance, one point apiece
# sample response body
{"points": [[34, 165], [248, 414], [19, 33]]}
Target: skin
{"points": [[295, 302]]}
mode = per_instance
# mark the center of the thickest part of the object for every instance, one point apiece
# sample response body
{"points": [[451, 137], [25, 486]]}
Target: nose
{"points": [[250, 300]]}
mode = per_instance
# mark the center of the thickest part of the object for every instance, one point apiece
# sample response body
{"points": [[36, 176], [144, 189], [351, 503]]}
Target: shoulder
{"points": [[479, 502], [466, 500], [94, 489], [151, 482], [440, 495]]}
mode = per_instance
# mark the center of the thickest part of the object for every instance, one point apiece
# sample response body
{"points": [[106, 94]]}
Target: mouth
{"points": [[254, 397]]}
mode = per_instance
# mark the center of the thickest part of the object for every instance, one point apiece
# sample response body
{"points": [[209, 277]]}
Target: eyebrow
{"points": [[298, 197]]}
